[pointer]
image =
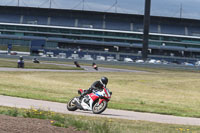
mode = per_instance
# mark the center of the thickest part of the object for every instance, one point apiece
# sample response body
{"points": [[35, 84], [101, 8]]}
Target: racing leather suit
{"points": [[97, 86]]}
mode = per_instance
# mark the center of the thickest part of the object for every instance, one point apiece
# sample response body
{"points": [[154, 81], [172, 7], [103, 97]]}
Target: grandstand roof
{"points": [[50, 11]]}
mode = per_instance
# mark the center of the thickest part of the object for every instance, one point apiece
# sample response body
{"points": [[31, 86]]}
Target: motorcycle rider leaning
{"points": [[97, 86]]}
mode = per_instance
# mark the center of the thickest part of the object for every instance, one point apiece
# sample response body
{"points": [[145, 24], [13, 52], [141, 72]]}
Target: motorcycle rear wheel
{"points": [[99, 108], [71, 106]]}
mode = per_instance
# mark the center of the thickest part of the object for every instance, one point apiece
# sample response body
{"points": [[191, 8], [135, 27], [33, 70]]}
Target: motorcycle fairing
{"points": [[85, 105], [92, 98]]}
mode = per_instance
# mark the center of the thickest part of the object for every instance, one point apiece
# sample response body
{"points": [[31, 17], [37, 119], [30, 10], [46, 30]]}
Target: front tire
{"points": [[99, 108], [71, 106]]}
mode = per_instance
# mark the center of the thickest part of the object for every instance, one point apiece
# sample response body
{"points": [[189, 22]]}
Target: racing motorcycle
{"points": [[96, 101], [95, 66]]}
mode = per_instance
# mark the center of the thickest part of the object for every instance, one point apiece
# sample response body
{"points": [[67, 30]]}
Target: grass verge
{"points": [[29, 65], [16, 48], [160, 91], [97, 124], [174, 93]]}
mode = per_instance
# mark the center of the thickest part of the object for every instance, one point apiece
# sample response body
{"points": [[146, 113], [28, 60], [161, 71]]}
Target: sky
{"points": [[170, 8]]}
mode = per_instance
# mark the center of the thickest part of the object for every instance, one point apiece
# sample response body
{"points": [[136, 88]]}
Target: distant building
{"points": [[98, 33]]}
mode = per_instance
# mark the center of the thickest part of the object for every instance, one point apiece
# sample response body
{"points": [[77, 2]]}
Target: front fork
{"points": [[101, 100]]}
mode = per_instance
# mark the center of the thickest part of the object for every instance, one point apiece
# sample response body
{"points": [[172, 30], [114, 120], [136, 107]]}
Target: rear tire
{"points": [[97, 109], [71, 106]]}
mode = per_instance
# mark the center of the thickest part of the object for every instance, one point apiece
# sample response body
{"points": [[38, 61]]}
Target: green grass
{"points": [[136, 66], [163, 92], [98, 125], [16, 48], [159, 91], [30, 65]]}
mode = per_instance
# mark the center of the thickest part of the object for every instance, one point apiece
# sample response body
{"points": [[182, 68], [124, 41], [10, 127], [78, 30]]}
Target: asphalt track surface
{"points": [[109, 113], [86, 69]]}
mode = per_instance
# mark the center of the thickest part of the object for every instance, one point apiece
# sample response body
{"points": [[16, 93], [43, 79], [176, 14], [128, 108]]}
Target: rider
{"points": [[97, 86], [35, 60], [20, 62]]}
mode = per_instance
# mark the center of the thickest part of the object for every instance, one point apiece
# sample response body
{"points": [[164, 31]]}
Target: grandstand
{"points": [[98, 33]]}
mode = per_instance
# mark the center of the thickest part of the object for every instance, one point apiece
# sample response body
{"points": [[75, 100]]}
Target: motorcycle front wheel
{"points": [[99, 108], [71, 106]]}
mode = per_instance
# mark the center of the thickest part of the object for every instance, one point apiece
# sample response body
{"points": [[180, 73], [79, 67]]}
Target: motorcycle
{"points": [[36, 61], [96, 101], [95, 66]]}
